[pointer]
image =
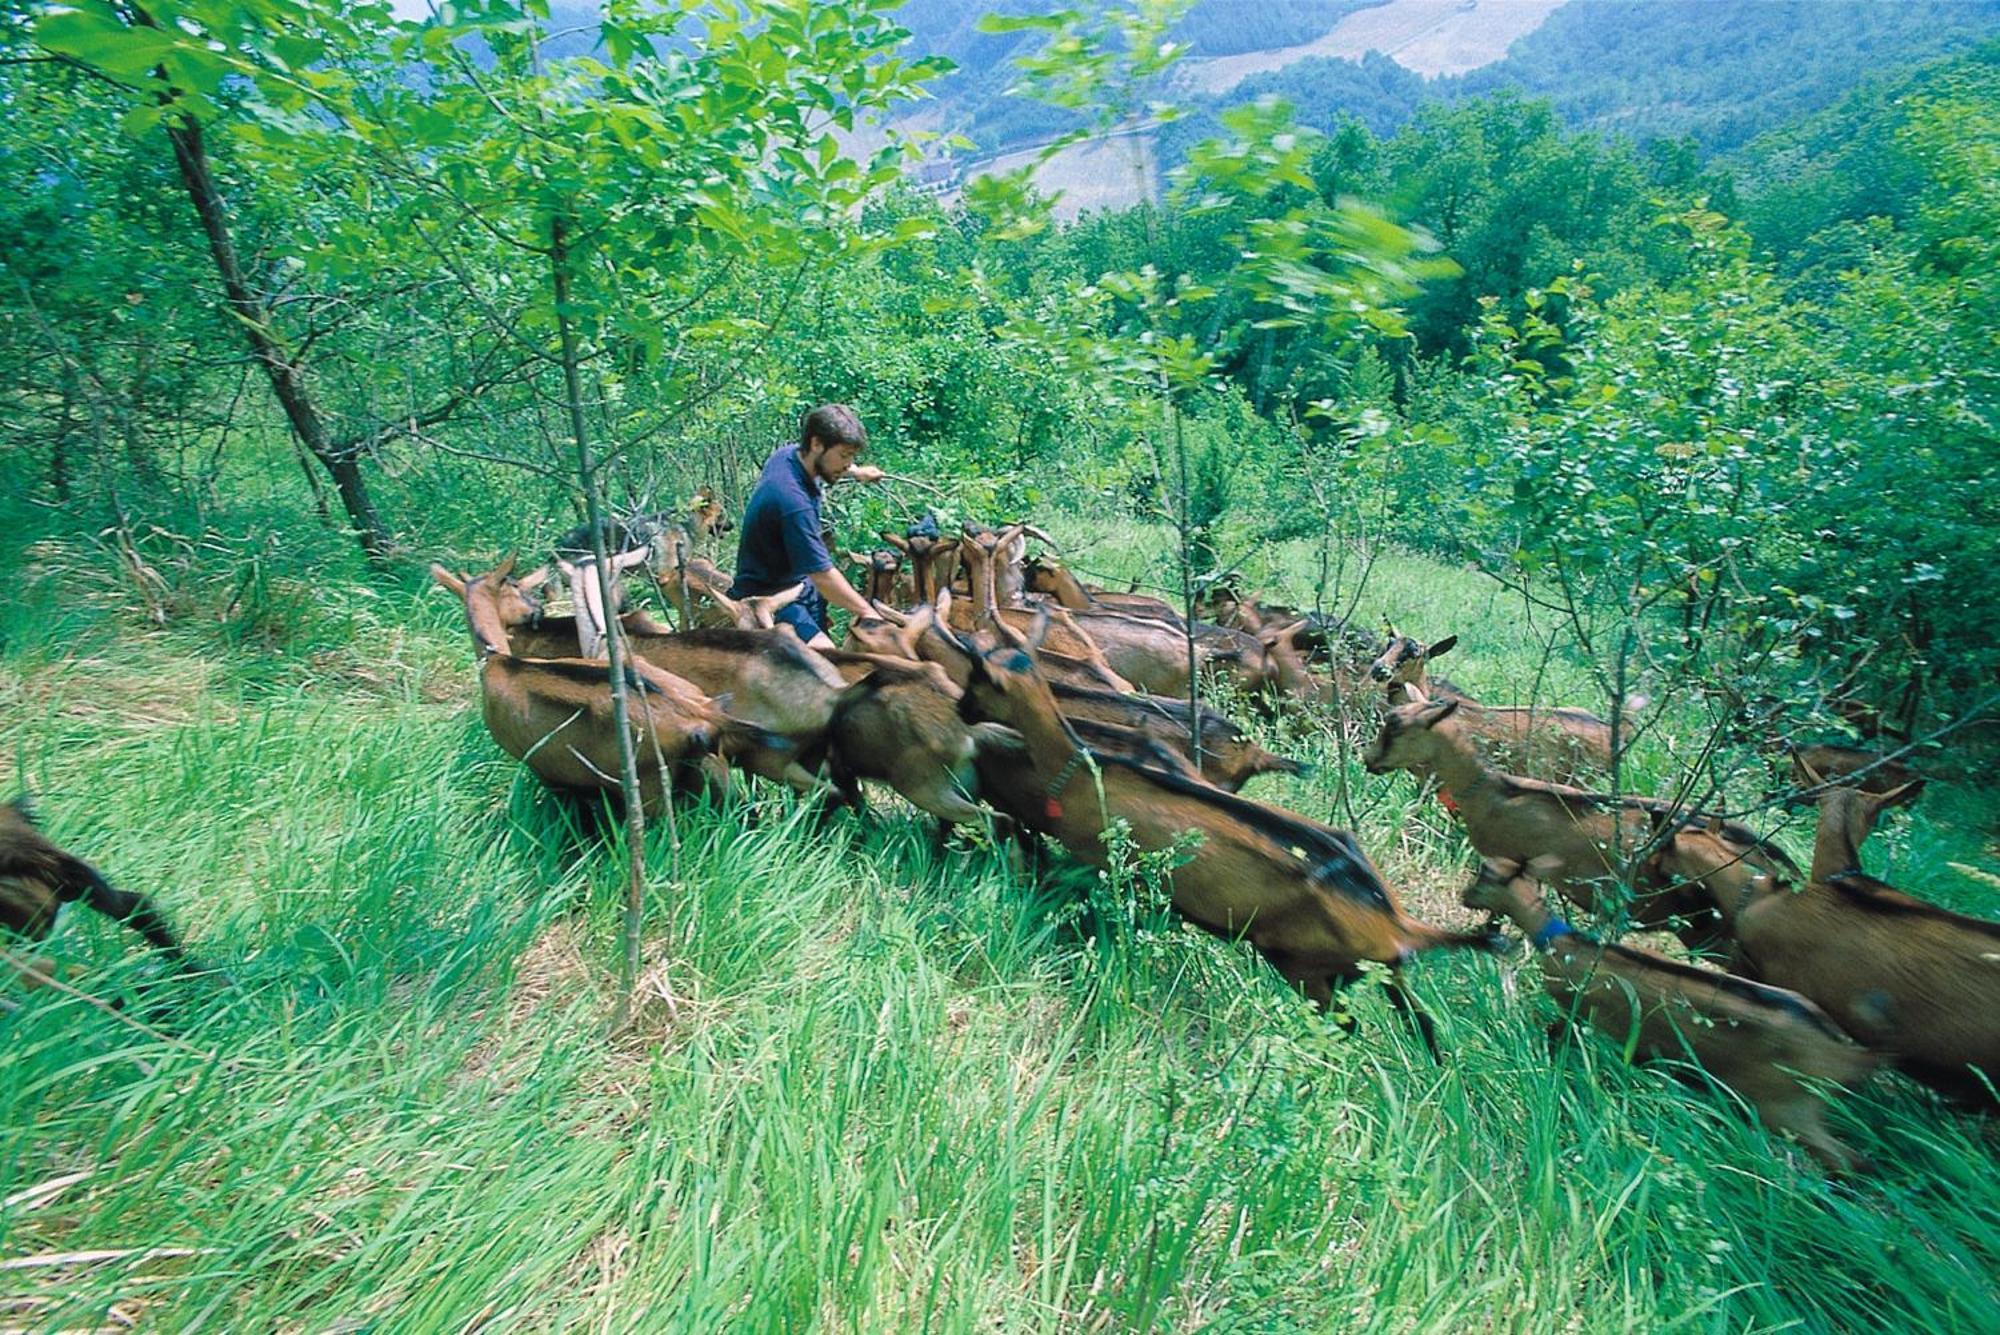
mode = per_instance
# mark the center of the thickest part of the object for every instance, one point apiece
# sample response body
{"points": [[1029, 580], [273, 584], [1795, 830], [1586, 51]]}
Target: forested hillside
{"points": [[1677, 439], [1717, 73]]}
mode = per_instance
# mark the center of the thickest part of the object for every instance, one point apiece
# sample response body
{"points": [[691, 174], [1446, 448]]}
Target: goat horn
{"points": [[1040, 536]]}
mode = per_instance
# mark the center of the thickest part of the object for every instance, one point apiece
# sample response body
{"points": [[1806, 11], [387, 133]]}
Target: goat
{"points": [[1229, 759], [1288, 675], [1915, 982], [758, 611], [1144, 650], [933, 558], [37, 877], [556, 715], [620, 535], [1303, 894], [907, 732], [884, 582], [1009, 555], [1584, 837], [1053, 579], [1323, 637], [707, 519], [1826, 761], [977, 552], [689, 583], [904, 730], [1771, 1046], [892, 633], [1568, 742]]}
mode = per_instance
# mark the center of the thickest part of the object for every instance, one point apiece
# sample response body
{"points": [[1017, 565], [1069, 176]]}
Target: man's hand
{"points": [[865, 473]]}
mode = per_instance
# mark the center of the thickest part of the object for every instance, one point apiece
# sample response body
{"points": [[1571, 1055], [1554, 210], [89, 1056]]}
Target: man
{"points": [[783, 542]]}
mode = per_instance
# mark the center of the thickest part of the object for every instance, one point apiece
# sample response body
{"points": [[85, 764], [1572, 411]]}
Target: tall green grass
{"points": [[871, 1087]]}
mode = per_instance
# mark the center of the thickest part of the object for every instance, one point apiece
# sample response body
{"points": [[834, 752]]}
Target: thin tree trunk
{"points": [[628, 761], [287, 382]]}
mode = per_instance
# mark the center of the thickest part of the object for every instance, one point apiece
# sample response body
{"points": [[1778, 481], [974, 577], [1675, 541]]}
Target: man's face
{"points": [[833, 461]]}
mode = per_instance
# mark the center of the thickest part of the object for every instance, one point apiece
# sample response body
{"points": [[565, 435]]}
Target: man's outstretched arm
{"points": [[833, 587]]}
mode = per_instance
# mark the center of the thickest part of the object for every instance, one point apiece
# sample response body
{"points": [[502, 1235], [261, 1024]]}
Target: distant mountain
{"points": [[1717, 71]]}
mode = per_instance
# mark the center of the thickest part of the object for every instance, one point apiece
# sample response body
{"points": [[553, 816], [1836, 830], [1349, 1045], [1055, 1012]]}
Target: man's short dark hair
{"points": [[833, 424]]}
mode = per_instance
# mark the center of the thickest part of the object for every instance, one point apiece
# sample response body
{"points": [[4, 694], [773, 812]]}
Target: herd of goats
{"points": [[995, 686]]}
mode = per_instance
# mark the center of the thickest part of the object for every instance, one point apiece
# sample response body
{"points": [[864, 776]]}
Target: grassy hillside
{"points": [[869, 1089]]}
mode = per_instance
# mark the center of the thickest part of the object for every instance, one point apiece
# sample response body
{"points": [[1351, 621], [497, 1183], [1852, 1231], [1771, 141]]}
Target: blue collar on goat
{"points": [[1550, 932]]}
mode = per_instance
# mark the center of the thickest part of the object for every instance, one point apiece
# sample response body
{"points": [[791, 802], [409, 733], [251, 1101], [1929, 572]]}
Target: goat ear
{"points": [[1442, 647], [889, 614], [504, 569], [530, 582], [786, 598], [1544, 867], [626, 560], [568, 570], [1808, 776], [898, 541], [450, 581], [1437, 711], [865, 562]]}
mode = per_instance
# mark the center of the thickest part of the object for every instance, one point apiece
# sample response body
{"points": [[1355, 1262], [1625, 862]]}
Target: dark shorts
{"points": [[806, 615]]}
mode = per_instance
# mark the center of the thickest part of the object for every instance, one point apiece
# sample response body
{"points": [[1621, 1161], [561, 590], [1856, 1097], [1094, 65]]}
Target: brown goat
{"points": [[1826, 762], [1564, 742], [905, 731], [771, 679], [908, 733], [1582, 838], [686, 581], [933, 561], [1771, 1046], [556, 715], [37, 877], [1915, 982], [1324, 639], [1054, 580], [1303, 894], [1064, 636], [1229, 758], [884, 582], [896, 633], [708, 519], [757, 611]]}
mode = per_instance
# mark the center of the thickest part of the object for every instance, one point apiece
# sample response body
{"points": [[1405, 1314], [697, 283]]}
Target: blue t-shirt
{"points": [[781, 542]]}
